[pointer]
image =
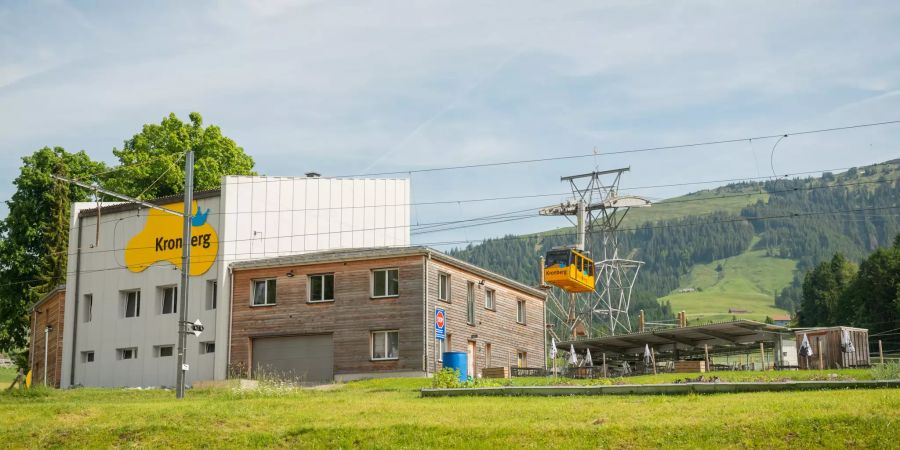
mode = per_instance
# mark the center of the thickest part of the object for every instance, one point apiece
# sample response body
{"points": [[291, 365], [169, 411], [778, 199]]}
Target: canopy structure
{"points": [[674, 343]]}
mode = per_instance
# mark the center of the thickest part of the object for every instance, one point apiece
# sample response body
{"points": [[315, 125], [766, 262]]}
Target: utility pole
{"points": [[185, 271]]}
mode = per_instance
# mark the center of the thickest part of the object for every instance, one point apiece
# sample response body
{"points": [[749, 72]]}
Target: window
{"points": [[489, 299], [169, 300], [126, 353], [207, 347], [321, 288], [385, 282], [164, 351], [520, 311], [87, 357], [132, 303], [88, 307], [522, 359], [470, 303], [444, 287], [385, 344], [264, 292], [443, 346], [212, 292]]}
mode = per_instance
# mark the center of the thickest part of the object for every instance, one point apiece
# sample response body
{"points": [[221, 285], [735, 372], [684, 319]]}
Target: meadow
{"points": [[389, 413]]}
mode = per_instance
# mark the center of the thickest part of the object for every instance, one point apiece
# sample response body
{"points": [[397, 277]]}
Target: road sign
{"points": [[439, 324], [185, 367], [196, 328]]}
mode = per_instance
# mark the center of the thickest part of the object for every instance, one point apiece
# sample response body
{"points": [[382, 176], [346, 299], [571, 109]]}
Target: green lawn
{"points": [[7, 375], [390, 414], [730, 200], [747, 281]]}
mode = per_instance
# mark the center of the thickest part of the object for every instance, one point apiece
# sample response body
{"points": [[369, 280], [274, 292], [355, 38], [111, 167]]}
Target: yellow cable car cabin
{"points": [[570, 270]]}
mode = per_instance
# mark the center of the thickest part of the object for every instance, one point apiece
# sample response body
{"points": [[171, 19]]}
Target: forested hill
{"points": [[800, 221]]}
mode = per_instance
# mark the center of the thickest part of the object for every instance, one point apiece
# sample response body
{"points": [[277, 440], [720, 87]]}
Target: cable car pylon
{"points": [[598, 209]]}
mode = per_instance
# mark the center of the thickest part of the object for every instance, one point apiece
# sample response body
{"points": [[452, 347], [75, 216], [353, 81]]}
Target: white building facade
{"points": [[121, 317]]}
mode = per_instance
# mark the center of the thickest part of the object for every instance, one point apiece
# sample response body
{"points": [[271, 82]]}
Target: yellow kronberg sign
{"points": [[160, 240]]}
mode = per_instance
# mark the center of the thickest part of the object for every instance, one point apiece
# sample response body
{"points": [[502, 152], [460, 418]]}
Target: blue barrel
{"points": [[459, 361]]}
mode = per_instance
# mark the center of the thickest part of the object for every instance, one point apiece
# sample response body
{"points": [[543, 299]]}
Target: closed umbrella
{"points": [[846, 343], [646, 353], [805, 349], [573, 360], [552, 348], [587, 359]]}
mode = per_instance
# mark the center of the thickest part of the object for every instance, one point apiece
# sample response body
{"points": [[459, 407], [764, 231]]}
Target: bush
{"points": [[887, 371], [446, 379]]}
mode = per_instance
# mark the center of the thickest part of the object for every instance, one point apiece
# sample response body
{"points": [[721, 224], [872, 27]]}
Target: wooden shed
{"points": [[829, 351]]}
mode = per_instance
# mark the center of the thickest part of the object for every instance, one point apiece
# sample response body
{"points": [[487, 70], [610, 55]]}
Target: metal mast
{"points": [[598, 208]]}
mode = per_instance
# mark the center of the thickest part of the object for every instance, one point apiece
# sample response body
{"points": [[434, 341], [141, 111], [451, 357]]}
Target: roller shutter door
{"points": [[304, 359]]}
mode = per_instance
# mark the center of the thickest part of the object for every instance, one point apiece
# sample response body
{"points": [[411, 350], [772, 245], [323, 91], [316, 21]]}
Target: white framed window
{"points": [[385, 345], [264, 292], [470, 303], [207, 347], [521, 359], [88, 307], [443, 346], [212, 294], [489, 299], [520, 311], [164, 351], [169, 300], [132, 303], [444, 286], [87, 356], [127, 353], [385, 282], [321, 288]]}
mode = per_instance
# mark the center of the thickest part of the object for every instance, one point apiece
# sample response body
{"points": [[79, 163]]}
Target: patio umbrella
{"points": [[646, 353], [846, 343], [573, 359], [805, 349], [587, 359], [552, 348]]}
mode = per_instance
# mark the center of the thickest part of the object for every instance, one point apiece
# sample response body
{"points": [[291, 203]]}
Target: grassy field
{"points": [[7, 374], [747, 281], [700, 203], [390, 414]]}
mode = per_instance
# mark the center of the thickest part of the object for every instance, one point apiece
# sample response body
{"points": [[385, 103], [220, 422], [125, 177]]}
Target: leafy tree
{"points": [[874, 296], [822, 291], [153, 165], [34, 235]]}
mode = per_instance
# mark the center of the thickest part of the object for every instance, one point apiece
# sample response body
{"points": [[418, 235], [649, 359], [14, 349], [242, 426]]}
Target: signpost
{"points": [[440, 332]]}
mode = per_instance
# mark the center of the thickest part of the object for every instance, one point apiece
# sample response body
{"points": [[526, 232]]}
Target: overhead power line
{"points": [[629, 151]]}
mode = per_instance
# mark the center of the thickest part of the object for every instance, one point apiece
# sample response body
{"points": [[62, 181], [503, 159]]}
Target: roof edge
{"points": [[45, 297]]}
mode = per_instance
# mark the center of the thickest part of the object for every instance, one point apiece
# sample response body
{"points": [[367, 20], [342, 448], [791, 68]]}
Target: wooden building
{"points": [[45, 356], [356, 313], [829, 349]]}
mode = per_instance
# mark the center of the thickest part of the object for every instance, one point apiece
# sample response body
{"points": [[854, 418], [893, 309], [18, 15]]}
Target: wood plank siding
{"points": [[350, 318], [497, 328], [49, 311]]}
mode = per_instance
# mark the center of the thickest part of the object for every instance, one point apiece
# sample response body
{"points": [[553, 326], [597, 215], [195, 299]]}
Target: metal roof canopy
{"points": [[718, 337]]}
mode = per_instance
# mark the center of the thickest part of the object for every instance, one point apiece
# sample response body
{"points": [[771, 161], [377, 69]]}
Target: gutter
{"points": [[75, 310]]}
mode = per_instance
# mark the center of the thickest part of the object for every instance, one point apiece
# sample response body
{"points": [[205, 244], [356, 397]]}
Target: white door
{"points": [[471, 358]]}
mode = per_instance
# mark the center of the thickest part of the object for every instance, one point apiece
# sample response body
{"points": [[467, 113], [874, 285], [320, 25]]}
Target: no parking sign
{"points": [[439, 324]]}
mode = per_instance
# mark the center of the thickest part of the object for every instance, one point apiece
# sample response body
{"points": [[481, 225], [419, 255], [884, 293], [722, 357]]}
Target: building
{"points": [[45, 355], [830, 349], [782, 320], [121, 305], [349, 314]]}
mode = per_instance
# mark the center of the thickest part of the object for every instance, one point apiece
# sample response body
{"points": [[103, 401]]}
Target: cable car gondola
{"points": [[569, 270]]}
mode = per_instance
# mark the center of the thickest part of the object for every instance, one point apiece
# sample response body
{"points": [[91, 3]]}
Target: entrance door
{"points": [[471, 358]]}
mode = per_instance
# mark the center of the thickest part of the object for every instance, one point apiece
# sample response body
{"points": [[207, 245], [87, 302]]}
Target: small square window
{"points": [[165, 351], [444, 287], [126, 353], [321, 287], [207, 347], [264, 292], [385, 282], [87, 357], [132, 305], [169, 300], [385, 345], [489, 296]]}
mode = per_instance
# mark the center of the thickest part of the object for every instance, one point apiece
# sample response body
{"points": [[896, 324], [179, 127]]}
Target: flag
{"points": [[846, 343], [552, 348], [805, 349], [587, 359], [573, 360]]}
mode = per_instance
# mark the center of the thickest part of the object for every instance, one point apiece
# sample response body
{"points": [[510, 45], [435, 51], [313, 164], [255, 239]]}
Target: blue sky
{"points": [[360, 87]]}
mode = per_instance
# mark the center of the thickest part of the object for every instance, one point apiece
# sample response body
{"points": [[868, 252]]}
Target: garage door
{"points": [[304, 359]]}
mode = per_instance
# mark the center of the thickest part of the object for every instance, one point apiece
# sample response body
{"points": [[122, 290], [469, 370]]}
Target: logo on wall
{"points": [[161, 240]]}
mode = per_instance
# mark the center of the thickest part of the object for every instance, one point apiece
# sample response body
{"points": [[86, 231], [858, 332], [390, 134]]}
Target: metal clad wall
{"points": [[309, 359]]}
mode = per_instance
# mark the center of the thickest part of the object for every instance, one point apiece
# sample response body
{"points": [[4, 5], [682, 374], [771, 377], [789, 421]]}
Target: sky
{"points": [[347, 88]]}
